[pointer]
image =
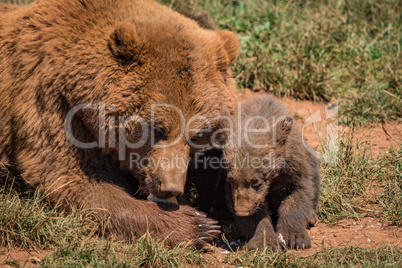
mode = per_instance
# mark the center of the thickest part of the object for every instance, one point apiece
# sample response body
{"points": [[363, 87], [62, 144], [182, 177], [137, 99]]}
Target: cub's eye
{"points": [[196, 137], [255, 183], [158, 129], [230, 180]]}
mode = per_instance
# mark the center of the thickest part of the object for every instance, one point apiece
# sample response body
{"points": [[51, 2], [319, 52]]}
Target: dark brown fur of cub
{"points": [[279, 196]]}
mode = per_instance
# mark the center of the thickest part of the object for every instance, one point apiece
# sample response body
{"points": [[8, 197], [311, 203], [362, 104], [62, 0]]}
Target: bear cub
{"points": [[273, 179]]}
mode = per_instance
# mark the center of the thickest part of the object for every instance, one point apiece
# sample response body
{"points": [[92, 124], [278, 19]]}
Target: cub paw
{"points": [[294, 240]]}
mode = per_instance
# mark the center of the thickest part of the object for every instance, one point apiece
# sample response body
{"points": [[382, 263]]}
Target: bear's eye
{"points": [[159, 130], [197, 136], [255, 183], [185, 72], [230, 180]]}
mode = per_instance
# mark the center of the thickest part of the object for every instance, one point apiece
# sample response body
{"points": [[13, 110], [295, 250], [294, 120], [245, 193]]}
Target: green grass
{"points": [[387, 256], [12, 263], [98, 252], [318, 50], [28, 222], [359, 184]]}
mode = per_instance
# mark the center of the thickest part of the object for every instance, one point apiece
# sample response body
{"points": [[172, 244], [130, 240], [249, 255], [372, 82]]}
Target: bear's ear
{"points": [[125, 43], [283, 128], [202, 18], [231, 44]]}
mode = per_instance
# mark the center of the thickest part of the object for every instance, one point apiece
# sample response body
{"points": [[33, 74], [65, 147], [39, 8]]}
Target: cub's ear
{"points": [[283, 127], [231, 44], [125, 43]]}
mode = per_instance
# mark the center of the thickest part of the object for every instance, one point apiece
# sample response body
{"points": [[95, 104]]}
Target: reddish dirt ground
{"points": [[21, 258], [365, 232]]}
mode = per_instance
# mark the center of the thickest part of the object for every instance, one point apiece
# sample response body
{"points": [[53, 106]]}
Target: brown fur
{"points": [[56, 54], [283, 199], [276, 198], [279, 198], [7, 8]]}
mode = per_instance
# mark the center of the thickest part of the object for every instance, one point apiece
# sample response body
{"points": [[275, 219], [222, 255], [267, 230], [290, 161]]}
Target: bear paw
{"points": [[294, 240], [207, 230], [192, 225]]}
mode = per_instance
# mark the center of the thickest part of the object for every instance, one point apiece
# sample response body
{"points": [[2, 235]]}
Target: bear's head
{"points": [[167, 88], [255, 156]]}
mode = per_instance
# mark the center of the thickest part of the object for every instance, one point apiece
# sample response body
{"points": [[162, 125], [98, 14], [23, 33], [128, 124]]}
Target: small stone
{"points": [[233, 244], [35, 260]]}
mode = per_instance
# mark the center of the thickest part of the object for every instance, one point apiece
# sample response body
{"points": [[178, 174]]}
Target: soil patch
{"points": [[21, 257]]}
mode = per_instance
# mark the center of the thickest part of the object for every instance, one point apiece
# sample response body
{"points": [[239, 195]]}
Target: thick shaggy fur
{"points": [[278, 197], [268, 199], [128, 55]]}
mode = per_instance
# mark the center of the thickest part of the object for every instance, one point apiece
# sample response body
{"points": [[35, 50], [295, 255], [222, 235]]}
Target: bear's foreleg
{"points": [[123, 217], [296, 214], [258, 229]]}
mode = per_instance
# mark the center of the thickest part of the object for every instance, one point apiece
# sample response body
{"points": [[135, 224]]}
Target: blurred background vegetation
{"points": [[317, 50]]}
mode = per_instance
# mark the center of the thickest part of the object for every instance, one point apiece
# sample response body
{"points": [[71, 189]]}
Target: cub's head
{"points": [[254, 158], [170, 85]]}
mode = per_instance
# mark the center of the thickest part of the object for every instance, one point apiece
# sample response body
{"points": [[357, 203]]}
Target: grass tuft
{"points": [[361, 184], [387, 256]]}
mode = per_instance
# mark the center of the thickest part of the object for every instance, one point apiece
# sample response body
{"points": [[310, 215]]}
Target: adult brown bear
{"points": [[94, 93]]}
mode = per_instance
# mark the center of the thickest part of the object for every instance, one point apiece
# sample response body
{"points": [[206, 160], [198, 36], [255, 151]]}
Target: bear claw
{"points": [[296, 241], [214, 232]]}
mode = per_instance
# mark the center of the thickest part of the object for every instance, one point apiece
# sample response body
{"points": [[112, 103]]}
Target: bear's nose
{"points": [[172, 188]]}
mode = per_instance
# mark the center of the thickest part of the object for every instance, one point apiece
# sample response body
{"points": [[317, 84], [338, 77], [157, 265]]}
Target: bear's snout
{"points": [[171, 188], [167, 173]]}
